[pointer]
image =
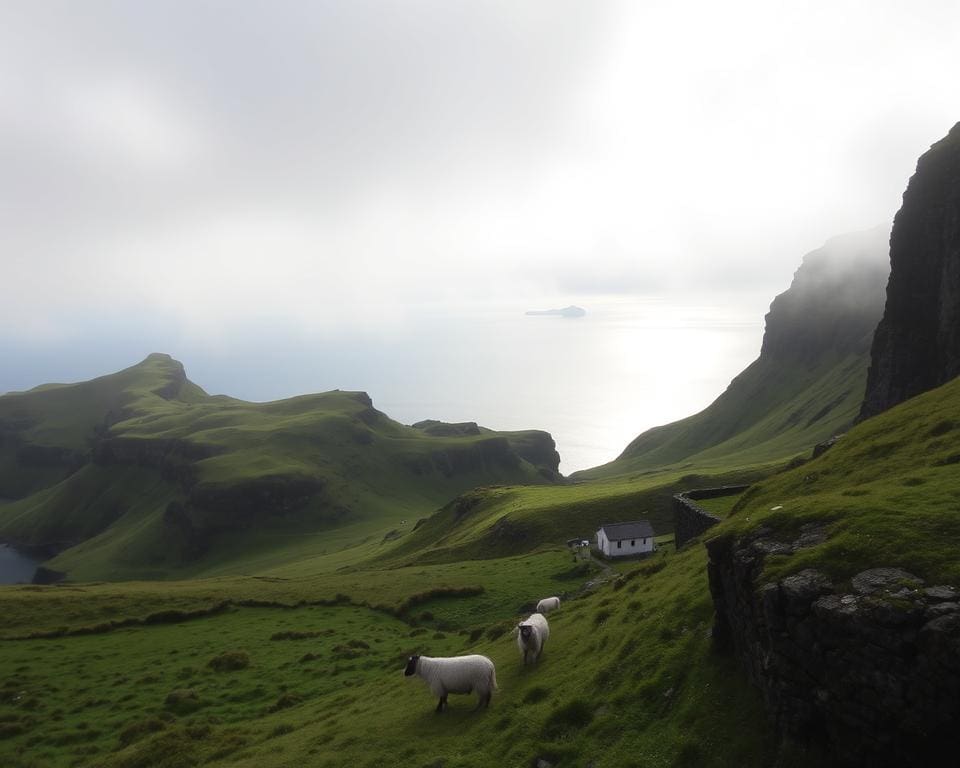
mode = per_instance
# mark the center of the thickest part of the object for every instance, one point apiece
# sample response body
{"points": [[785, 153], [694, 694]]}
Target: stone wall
{"points": [[690, 519], [870, 671]]}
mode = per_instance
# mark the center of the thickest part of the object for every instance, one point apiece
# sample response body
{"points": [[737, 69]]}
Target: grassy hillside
{"points": [[493, 522], [807, 384], [888, 494], [142, 474], [627, 678]]}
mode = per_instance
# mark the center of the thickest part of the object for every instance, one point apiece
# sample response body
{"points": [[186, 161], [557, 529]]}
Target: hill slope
{"points": [[808, 381], [141, 473]]}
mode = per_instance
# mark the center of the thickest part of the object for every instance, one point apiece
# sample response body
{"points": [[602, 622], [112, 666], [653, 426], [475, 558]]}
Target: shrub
{"points": [[183, 701], [535, 694], [286, 701], [301, 634], [141, 728], [570, 717], [9, 730], [600, 617], [228, 661]]}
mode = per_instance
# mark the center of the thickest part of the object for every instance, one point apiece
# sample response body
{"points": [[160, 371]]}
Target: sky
{"points": [[234, 182]]}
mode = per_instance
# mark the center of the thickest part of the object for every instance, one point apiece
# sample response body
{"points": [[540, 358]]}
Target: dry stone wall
{"points": [[869, 669], [690, 519]]}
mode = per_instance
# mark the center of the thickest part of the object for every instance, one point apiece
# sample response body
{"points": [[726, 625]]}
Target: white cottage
{"points": [[621, 539]]}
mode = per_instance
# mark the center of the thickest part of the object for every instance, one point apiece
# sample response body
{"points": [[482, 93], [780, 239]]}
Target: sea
{"points": [[15, 567], [594, 382]]}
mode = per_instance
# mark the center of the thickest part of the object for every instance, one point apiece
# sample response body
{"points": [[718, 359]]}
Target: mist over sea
{"points": [[593, 382]]}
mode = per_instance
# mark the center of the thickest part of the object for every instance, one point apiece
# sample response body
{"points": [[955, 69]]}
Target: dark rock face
{"points": [[917, 344], [833, 303], [873, 674]]}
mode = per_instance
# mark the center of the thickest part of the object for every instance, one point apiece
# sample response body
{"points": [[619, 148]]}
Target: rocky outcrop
{"points": [[833, 303], [870, 671], [917, 344], [444, 429], [174, 458], [539, 449], [495, 455]]}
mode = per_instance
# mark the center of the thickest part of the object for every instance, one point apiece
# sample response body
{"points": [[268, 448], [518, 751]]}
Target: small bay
{"points": [[16, 567]]}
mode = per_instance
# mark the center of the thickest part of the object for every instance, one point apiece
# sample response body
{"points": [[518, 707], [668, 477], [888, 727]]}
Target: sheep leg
{"points": [[442, 703], [483, 701]]}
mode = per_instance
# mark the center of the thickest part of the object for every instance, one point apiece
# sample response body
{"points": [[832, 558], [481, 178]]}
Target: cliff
{"points": [[917, 344], [807, 383]]}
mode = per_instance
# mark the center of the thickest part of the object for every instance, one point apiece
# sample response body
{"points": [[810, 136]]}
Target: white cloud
{"points": [[357, 161]]}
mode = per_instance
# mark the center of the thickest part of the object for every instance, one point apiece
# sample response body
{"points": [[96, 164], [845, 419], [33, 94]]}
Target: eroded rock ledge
{"points": [[870, 669]]}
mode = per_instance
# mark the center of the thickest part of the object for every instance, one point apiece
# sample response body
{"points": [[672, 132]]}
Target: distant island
{"points": [[570, 311]]}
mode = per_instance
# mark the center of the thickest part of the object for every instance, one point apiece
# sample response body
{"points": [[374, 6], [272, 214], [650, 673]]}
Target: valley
{"points": [[241, 584]]}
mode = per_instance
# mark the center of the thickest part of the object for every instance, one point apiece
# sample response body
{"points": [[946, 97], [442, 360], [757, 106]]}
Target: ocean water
{"points": [[593, 382], [15, 567]]}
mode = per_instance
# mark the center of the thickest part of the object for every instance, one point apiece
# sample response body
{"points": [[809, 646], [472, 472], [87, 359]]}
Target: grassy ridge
{"points": [[141, 474]]}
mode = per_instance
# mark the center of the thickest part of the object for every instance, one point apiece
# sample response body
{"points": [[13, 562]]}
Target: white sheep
{"points": [[457, 674], [548, 604], [532, 634]]}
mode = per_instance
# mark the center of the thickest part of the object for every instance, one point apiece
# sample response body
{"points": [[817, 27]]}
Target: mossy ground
{"points": [[628, 677], [887, 494]]}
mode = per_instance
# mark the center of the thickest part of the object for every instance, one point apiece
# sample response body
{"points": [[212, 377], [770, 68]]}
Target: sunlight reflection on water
{"points": [[595, 382]]}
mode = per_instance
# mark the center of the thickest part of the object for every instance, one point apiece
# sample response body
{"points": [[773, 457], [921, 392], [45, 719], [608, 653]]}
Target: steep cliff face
{"points": [[808, 381], [917, 344]]}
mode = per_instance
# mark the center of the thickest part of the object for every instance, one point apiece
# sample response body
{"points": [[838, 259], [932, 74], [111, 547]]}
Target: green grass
{"points": [[719, 505], [888, 494], [92, 469], [770, 413], [628, 671], [492, 522]]}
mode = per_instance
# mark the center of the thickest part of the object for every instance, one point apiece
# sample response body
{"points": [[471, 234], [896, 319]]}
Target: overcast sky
{"points": [[191, 168]]}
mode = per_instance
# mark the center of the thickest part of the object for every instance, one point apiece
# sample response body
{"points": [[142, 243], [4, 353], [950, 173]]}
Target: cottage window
{"points": [[633, 542], [619, 544]]}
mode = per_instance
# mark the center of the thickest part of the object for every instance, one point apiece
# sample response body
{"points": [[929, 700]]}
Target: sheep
{"points": [[548, 604], [457, 674], [533, 633]]}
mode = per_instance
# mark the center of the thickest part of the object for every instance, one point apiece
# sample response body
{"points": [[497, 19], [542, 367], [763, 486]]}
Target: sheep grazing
{"points": [[533, 633], [457, 674], [548, 604]]}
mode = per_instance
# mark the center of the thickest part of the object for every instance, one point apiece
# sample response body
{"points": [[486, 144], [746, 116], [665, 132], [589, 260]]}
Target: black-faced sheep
{"points": [[531, 636], [548, 604], [457, 674]]}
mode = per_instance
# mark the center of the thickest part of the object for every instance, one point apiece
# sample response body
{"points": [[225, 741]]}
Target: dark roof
{"points": [[635, 529]]}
